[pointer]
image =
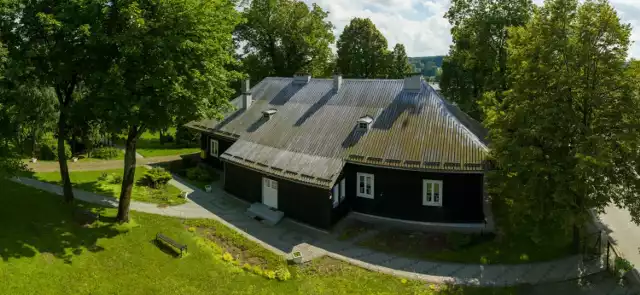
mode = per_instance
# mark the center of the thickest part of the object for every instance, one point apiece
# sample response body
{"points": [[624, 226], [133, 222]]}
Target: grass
{"points": [[149, 145], [45, 249], [466, 248], [89, 181]]}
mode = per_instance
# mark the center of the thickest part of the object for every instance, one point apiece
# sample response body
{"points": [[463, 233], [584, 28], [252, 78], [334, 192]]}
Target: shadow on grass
{"points": [[36, 223]]}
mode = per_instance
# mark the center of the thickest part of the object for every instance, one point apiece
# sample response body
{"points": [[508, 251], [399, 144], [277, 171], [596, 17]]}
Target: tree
{"points": [[169, 62], [50, 43], [477, 60], [283, 37], [362, 51], [565, 134], [400, 66]]}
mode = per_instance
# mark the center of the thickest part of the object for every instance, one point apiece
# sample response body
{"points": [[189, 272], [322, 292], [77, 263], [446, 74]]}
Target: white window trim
{"points": [[365, 195], [213, 142], [424, 192]]}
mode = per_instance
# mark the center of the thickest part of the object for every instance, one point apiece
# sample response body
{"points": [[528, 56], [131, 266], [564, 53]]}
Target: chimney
{"points": [[337, 82], [413, 83], [246, 94], [301, 78]]}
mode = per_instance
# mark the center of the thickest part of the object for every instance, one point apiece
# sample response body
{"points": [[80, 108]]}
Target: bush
{"points": [[257, 270], [227, 257], [156, 177], [201, 174], [49, 149], [105, 153], [283, 274], [115, 178], [270, 274]]}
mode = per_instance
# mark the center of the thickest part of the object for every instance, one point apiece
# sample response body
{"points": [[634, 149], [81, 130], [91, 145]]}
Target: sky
{"points": [[420, 24]]}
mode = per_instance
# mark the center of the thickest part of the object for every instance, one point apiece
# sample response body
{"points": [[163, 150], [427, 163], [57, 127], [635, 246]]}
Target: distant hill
{"points": [[427, 65]]}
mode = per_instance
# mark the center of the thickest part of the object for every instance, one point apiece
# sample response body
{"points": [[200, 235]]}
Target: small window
{"points": [[274, 184], [335, 195], [363, 126], [342, 190], [214, 148], [432, 193], [365, 185]]}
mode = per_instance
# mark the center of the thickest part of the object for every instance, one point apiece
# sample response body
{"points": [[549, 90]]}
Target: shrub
{"points": [[270, 274], [115, 178], [246, 267], [191, 229], [458, 241], [622, 266], [49, 149], [201, 173], [257, 270], [283, 274], [105, 153], [103, 176], [156, 177], [227, 257]]}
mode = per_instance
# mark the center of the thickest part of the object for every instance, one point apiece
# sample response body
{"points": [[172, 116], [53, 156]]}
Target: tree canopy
{"points": [[477, 60], [565, 134], [283, 37], [362, 51], [400, 66], [169, 63]]}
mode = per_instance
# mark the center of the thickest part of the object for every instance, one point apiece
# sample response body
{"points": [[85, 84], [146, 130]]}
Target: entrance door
{"points": [[270, 192]]}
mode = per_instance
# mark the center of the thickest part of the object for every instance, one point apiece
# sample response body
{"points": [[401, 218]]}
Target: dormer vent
{"points": [[269, 113], [364, 123], [301, 78]]}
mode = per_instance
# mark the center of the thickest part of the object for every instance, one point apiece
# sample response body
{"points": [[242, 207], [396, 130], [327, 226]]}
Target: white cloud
{"points": [[420, 24]]}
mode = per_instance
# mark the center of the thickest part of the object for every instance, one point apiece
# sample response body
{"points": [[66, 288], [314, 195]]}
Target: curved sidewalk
{"points": [[52, 166], [289, 236]]}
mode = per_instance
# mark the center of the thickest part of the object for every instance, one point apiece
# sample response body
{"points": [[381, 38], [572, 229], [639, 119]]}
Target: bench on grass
{"points": [[162, 238]]}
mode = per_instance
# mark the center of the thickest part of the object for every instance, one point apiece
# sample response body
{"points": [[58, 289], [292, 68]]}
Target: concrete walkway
{"points": [[289, 236]]}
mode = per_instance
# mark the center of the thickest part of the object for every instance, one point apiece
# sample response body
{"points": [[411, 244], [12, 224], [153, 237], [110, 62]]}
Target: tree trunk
{"points": [[62, 159], [576, 239], [129, 175]]}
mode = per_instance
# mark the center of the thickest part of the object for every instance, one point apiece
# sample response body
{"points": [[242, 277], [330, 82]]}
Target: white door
{"points": [[270, 192]]}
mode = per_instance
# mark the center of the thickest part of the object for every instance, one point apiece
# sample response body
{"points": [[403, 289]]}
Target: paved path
{"points": [[624, 233], [51, 166], [289, 236]]}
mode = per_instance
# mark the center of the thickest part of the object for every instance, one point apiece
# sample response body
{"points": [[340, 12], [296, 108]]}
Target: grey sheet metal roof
{"points": [[314, 131]]}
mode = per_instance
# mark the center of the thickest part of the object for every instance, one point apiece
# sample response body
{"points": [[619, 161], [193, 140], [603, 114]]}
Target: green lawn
{"points": [[46, 251], [466, 248], [89, 181], [149, 145]]}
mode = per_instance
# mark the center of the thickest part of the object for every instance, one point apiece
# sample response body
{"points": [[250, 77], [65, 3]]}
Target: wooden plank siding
{"points": [[300, 202], [223, 145], [398, 194]]}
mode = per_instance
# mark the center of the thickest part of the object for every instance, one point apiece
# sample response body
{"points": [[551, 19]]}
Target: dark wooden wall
{"points": [[223, 145], [303, 203], [398, 194]]}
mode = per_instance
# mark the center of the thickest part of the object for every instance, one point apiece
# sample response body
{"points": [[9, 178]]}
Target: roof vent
{"points": [[246, 94], [301, 78], [269, 113], [413, 83], [364, 123]]}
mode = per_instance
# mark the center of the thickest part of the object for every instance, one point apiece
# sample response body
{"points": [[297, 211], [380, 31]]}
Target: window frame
{"points": [[433, 183], [372, 182], [211, 145]]}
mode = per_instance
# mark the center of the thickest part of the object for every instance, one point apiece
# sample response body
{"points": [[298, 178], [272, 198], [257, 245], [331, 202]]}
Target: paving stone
{"points": [[376, 258], [425, 267], [537, 272], [446, 269], [400, 263]]}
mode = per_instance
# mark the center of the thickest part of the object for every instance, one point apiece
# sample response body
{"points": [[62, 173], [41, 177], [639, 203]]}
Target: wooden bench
{"points": [[162, 238]]}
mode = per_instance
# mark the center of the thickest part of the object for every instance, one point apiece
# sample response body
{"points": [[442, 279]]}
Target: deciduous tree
{"points": [[52, 43], [400, 66], [283, 37], [169, 62], [565, 136], [362, 51], [477, 60]]}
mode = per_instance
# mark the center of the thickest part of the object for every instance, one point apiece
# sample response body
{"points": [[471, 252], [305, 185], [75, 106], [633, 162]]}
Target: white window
{"points": [[365, 185], [335, 195], [214, 148], [432, 193], [342, 190]]}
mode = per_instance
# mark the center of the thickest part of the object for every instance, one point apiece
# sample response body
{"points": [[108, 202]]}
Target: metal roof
{"points": [[314, 131]]}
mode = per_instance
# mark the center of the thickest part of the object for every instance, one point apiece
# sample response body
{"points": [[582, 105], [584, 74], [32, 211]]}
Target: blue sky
{"points": [[421, 27]]}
